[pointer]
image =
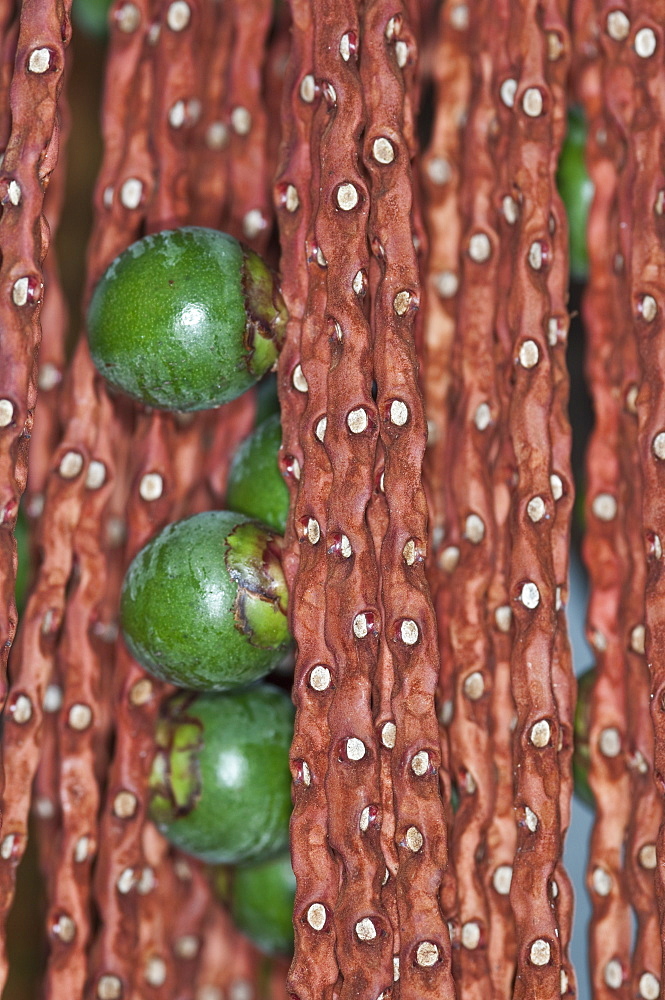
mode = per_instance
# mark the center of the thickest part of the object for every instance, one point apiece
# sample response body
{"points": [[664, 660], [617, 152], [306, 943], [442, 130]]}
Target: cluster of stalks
{"points": [[426, 445]]}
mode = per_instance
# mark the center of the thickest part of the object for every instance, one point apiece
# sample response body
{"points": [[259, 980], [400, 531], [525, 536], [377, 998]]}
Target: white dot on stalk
{"points": [[109, 987], [410, 552], [502, 878], [482, 418], [540, 733], [365, 816], [446, 284], [388, 735], [536, 255], [151, 486], [107, 196], [618, 25], [658, 446], [647, 857], [530, 595], [508, 91], [71, 464], [613, 974], [320, 429], [6, 412], [360, 626], [474, 529], [254, 223], [178, 15], [306, 774], [21, 711], [420, 763], [347, 197], [82, 850], [308, 88], [427, 954], [365, 929], [409, 632], [401, 53], [414, 839], [345, 47], [474, 686], [503, 617], [44, 808], [540, 952], [609, 742], [95, 477], [241, 121], [313, 531], [126, 881], [125, 804], [131, 193], [177, 115], [128, 18], [532, 102], [529, 354], [299, 380], [530, 819], [536, 509], [291, 199], [14, 193], [480, 248], [186, 947], [345, 547], [645, 43], [459, 17], [39, 61], [402, 302], [470, 935], [217, 135], [399, 412], [649, 986], [556, 485], [638, 639], [383, 150], [20, 291], [52, 698], [601, 881], [438, 170], [510, 210], [147, 882], [357, 420], [319, 679], [598, 640], [79, 716], [355, 748], [49, 376], [604, 506], [449, 558], [648, 308], [360, 283], [155, 971]]}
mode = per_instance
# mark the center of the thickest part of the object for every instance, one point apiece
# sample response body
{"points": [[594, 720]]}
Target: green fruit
{"points": [[203, 604], [576, 189], [267, 400], [262, 904], [255, 485], [581, 754], [22, 535], [186, 319], [220, 785]]}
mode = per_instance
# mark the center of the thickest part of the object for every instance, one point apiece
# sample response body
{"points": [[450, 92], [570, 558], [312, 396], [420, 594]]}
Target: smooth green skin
{"points": [[91, 16], [22, 535], [203, 604], [255, 484], [581, 755], [262, 904], [220, 782], [185, 319], [576, 189], [267, 400]]}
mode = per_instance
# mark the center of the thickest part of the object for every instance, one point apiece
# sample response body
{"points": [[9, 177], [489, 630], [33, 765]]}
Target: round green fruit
{"points": [[576, 189], [220, 786], [255, 485], [91, 17], [581, 753], [186, 319], [203, 604], [262, 898]]}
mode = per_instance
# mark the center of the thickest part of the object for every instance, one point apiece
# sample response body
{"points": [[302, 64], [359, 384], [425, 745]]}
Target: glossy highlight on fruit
{"points": [[576, 189], [255, 485], [220, 784], [203, 604], [186, 319]]}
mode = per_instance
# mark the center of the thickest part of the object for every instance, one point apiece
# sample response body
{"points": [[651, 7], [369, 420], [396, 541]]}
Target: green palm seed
{"points": [[203, 604], [262, 898], [255, 484], [220, 786], [186, 319]]}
